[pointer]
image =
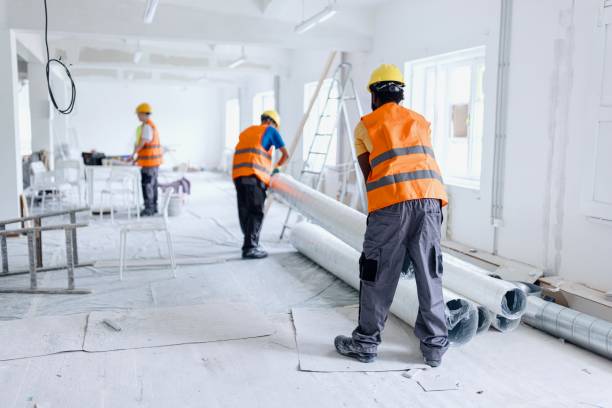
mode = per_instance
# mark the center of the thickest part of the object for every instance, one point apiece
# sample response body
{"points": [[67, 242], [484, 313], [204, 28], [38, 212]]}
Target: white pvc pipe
{"points": [[343, 261], [342, 221], [484, 319], [499, 296], [349, 225]]}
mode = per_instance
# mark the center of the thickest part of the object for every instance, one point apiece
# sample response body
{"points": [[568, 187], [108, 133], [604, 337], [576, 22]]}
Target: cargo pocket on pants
{"points": [[436, 267], [368, 269]]}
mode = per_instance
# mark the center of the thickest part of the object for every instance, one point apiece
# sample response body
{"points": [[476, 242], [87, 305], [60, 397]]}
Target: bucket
{"points": [[175, 207]]}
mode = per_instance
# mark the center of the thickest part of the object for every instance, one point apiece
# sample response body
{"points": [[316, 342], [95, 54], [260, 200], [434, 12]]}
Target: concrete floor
{"points": [[525, 368]]}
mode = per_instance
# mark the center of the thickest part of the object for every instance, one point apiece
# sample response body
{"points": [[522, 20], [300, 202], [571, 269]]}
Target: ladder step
{"points": [[319, 153], [324, 134], [316, 173]]}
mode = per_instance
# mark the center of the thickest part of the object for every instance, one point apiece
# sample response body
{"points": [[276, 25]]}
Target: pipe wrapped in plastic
{"points": [[349, 225], [503, 324], [343, 261], [497, 295], [338, 219]]}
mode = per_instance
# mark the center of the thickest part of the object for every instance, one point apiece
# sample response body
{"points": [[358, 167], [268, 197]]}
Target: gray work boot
{"points": [[254, 253], [432, 362], [347, 347]]}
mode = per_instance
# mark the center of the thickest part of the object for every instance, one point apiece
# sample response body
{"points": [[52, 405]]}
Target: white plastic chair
{"points": [[154, 225], [43, 180], [71, 173], [121, 183]]}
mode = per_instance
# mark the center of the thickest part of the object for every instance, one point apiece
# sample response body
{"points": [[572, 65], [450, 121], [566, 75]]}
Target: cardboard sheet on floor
{"points": [[41, 336], [317, 328], [141, 328]]}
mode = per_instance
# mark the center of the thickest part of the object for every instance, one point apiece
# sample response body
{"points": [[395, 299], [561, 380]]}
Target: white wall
{"points": [[190, 119], [552, 77], [551, 100], [11, 182]]}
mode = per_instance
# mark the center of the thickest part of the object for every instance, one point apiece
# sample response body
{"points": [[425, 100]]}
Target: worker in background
{"points": [[252, 167], [405, 199], [148, 155]]}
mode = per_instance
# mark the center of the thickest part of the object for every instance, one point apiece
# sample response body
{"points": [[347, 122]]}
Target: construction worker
{"points": [[405, 199], [148, 155], [252, 167]]}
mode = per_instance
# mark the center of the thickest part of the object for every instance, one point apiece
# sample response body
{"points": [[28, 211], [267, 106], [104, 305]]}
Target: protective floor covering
{"points": [[41, 336], [317, 328], [524, 368], [141, 328]]}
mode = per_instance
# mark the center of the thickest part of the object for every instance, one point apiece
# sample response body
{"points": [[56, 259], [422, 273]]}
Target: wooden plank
{"points": [[47, 228], [45, 215], [45, 269], [50, 291]]}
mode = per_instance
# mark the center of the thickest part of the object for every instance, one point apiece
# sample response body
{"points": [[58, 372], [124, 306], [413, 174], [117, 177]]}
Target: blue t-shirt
{"points": [[272, 138]]}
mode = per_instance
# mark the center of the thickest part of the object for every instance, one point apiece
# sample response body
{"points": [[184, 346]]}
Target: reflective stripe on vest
{"points": [[250, 158], [390, 154], [256, 151], [151, 154], [402, 161]]}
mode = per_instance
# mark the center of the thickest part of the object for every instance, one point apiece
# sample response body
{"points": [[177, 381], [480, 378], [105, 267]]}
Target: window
{"points": [[262, 101], [596, 199], [448, 90], [327, 125], [232, 123]]}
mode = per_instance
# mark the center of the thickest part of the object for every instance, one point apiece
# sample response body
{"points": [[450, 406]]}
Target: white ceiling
{"points": [[191, 38]]}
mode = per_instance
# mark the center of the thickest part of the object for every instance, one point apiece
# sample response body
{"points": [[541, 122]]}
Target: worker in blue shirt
{"points": [[251, 171]]}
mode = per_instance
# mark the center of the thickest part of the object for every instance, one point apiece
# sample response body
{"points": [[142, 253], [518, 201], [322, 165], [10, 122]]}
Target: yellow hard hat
{"points": [[386, 73], [143, 108], [272, 114]]}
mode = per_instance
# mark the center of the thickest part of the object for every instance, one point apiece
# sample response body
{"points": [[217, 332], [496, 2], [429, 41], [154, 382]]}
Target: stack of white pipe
{"points": [[504, 300], [343, 261]]}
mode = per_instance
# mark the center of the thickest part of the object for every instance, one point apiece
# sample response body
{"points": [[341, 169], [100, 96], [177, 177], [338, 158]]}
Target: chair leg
{"points": [[101, 206], [171, 253], [112, 209], [122, 245]]}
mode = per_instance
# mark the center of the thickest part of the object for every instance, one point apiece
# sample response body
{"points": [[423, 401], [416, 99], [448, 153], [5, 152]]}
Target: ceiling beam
{"points": [[120, 18]]}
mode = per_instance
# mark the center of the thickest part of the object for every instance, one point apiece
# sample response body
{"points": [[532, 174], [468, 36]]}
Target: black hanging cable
{"points": [[70, 106]]}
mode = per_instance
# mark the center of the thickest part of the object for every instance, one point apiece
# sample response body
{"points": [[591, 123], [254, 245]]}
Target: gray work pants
{"points": [[409, 228], [148, 180]]}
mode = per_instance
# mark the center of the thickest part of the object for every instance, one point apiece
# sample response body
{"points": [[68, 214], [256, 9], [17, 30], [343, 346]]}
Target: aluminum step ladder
{"points": [[341, 90]]}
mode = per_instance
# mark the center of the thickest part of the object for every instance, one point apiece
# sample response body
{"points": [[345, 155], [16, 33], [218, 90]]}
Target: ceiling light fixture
{"points": [[323, 15], [239, 61], [150, 9]]}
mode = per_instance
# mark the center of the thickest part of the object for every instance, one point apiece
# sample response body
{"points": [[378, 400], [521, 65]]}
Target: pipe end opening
{"points": [[514, 303]]}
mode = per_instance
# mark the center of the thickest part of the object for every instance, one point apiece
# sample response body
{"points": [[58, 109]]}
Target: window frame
{"points": [[263, 101], [437, 68]]}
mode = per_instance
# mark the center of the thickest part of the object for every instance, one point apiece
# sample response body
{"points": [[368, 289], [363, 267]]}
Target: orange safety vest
{"points": [[151, 154], [250, 158], [402, 159]]}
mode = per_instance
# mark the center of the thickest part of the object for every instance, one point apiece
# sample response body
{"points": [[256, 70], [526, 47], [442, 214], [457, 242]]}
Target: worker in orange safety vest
{"points": [[405, 199], [148, 154], [251, 170]]}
